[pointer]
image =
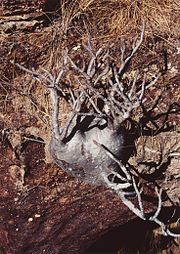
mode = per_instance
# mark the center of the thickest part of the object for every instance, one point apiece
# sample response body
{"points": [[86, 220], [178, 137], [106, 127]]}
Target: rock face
{"points": [[25, 15], [52, 212], [22, 6]]}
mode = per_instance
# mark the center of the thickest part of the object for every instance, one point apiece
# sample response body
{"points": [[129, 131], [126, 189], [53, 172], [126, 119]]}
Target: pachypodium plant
{"points": [[91, 144]]}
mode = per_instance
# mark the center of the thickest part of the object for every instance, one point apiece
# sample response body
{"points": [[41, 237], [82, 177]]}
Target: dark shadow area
{"points": [[134, 237], [150, 117], [51, 6], [51, 11]]}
